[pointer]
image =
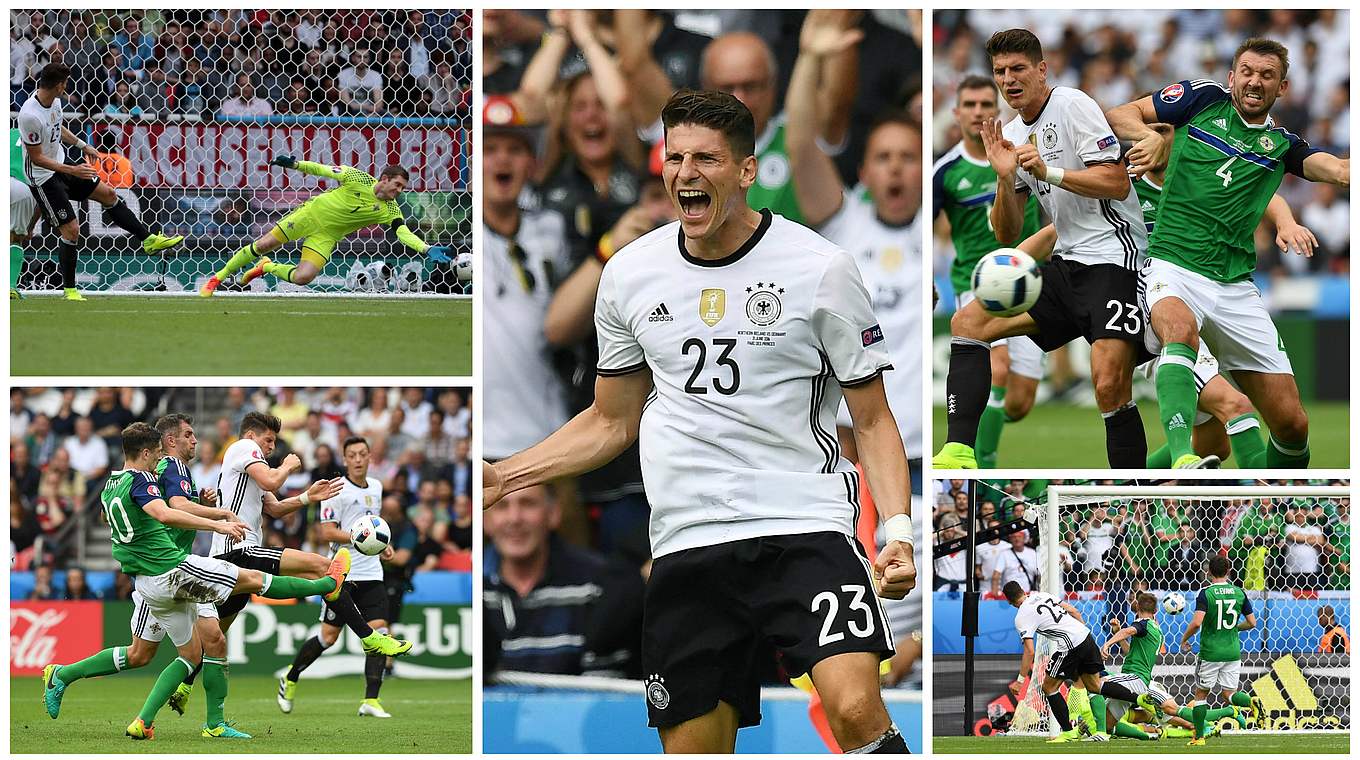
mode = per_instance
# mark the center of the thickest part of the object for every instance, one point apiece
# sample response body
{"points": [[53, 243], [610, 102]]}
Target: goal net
{"points": [[188, 107], [1288, 548]]}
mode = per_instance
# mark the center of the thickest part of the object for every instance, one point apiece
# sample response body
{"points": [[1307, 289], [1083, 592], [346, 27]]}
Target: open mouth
{"points": [[1014, 92], [894, 192], [1253, 98], [693, 203]]}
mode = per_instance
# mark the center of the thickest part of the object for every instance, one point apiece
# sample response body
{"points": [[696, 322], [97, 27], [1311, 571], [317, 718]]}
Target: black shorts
{"points": [[715, 615], [55, 196], [265, 559], [1080, 660], [369, 596], [1090, 301]]}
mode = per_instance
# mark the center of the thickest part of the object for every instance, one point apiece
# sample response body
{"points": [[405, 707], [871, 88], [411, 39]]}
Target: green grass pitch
{"points": [[427, 717], [1066, 436], [1255, 744], [240, 335]]}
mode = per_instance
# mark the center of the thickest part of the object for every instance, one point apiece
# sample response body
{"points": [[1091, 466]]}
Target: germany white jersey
{"points": [[890, 259], [748, 354], [41, 125], [1071, 133], [522, 392], [355, 501], [1042, 615], [239, 492]]}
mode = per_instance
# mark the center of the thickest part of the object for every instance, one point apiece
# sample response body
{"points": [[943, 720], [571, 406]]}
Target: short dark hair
{"points": [[1263, 46], [896, 116], [395, 170], [53, 74], [976, 82], [1012, 591], [1218, 566], [259, 422], [1146, 602], [139, 437], [716, 110], [350, 441], [1020, 41], [170, 423]]}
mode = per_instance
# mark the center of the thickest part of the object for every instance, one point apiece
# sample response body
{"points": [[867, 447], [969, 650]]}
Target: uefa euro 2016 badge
{"points": [[656, 692], [763, 305]]}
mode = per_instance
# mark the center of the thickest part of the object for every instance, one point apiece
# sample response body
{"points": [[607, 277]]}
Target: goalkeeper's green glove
{"points": [[439, 254], [287, 162]]}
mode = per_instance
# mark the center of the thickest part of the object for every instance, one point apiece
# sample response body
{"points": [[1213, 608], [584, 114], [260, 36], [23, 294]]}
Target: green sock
{"points": [[1244, 435], [989, 428], [166, 684], [1241, 699], [1098, 712], [215, 687], [1199, 716], [16, 265], [103, 663], [1177, 396], [284, 587], [1129, 731], [1160, 459], [238, 260], [282, 271], [1219, 713], [1290, 456]]}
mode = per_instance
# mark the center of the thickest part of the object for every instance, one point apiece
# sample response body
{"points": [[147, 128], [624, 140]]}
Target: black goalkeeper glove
{"points": [[287, 162]]}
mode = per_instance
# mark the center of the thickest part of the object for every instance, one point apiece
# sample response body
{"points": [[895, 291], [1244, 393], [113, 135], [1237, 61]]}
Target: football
{"points": [[462, 268], [1173, 603], [370, 535], [1006, 282]]}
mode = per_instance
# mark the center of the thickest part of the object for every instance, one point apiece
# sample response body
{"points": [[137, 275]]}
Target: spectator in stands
{"points": [[416, 411], [459, 531], [428, 548], [439, 445], [43, 590], [446, 89], [23, 524], [1334, 638], [951, 570], [1182, 569], [64, 421], [296, 99], [157, 90], [196, 91], [66, 485], [360, 87], [207, 466], [1304, 545], [594, 625], [135, 46], [1020, 563], [987, 553], [24, 475], [244, 101], [373, 420], [462, 468], [405, 95], [304, 442], [19, 415], [77, 590], [326, 466], [457, 415], [89, 453], [110, 413], [123, 101], [41, 441]]}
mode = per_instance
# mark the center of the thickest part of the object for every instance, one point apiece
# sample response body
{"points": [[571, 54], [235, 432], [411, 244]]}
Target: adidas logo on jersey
{"points": [[1221, 123], [965, 184], [660, 314], [1176, 423], [1147, 205]]}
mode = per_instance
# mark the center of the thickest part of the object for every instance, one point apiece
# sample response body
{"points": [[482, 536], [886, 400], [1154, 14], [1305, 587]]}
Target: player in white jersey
{"points": [[882, 231], [1060, 148], [246, 486], [726, 341], [1075, 658], [57, 183], [360, 495]]}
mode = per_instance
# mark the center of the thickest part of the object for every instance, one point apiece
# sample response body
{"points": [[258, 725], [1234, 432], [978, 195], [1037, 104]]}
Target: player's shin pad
{"points": [[1177, 396], [970, 377]]}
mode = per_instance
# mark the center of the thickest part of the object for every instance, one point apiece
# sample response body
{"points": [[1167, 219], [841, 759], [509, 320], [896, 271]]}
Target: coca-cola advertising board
{"points": [[43, 632]]}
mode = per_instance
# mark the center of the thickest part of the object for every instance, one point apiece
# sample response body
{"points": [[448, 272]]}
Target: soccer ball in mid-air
{"points": [[1173, 603], [370, 534], [462, 268], [1006, 282]]}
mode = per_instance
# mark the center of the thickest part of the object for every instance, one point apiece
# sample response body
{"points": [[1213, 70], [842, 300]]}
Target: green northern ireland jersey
{"points": [[965, 188], [773, 188], [350, 207], [176, 480], [141, 544], [17, 156], [1144, 647], [1224, 606], [1149, 195], [1222, 173]]}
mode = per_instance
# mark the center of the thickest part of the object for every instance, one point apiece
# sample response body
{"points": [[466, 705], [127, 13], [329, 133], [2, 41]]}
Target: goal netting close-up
{"points": [[1288, 549], [188, 107]]}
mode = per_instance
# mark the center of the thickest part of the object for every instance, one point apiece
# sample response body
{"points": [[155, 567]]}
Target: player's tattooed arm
{"points": [[1324, 167]]}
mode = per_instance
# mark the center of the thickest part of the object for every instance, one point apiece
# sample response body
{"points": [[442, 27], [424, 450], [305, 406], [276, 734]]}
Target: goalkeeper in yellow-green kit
{"points": [[323, 221]]}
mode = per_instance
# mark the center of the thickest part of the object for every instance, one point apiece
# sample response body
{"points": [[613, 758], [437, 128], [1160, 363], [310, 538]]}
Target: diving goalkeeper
{"points": [[323, 221]]}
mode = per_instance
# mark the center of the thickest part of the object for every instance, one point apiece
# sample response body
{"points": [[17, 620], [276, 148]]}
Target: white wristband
{"points": [[305, 499], [898, 528], [1055, 176]]}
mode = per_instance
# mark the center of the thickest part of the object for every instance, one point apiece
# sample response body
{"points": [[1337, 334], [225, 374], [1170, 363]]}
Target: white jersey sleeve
{"points": [[620, 352], [844, 324], [1089, 133]]}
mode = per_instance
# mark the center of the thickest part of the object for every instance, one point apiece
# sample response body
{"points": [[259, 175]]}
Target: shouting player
{"points": [[360, 495], [1222, 613], [170, 582], [57, 183], [755, 323], [1059, 148], [965, 189], [323, 221], [1227, 160]]}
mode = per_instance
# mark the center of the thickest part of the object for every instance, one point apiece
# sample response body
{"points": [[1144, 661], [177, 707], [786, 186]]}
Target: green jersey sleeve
{"points": [[142, 545]]}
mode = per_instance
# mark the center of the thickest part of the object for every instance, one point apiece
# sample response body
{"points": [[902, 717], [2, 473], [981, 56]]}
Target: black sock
{"points": [[967, 386], [1117, 691], [189, 679], [123, 217], [374, 665], [1058, 706], [307, 655], [66, 257], [345, 609], [890, 743], [1125, 440]]}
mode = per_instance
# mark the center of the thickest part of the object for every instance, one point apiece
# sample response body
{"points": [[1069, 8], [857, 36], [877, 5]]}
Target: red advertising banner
{"points": [[202, 156], [44, 632]]}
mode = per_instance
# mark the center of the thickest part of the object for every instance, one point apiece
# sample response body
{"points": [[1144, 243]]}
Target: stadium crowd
{"points": [[65, 441], [237, 62], [572, 172], [1295, 543], [1116, 57]]}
